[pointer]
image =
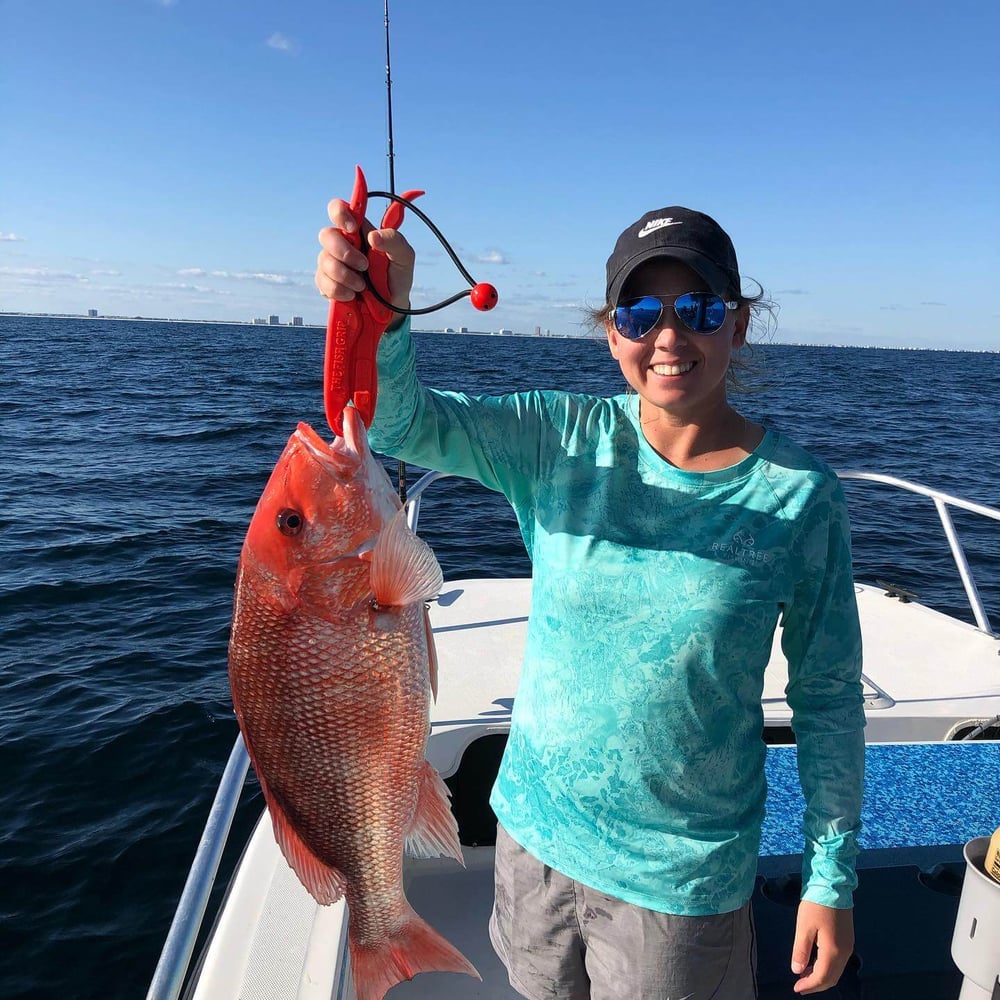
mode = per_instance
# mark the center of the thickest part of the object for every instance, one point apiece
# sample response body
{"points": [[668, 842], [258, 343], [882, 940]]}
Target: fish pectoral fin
{"points": [[435, 830], [403, 568], [324, 883]]}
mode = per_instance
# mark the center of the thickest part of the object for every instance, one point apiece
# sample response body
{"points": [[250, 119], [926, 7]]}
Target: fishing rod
{"points": [[401, 485], [388, 103], [482, 295]]}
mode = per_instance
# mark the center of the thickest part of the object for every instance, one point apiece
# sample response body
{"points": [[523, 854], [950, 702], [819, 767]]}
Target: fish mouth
{"points": [[355, 439], [341, 459]]}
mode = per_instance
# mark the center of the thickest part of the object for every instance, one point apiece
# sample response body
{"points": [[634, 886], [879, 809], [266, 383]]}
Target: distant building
{"points": [[506, 333], [272, 319], [538, 331], [296, 321], [463, 329], [92, 313], [260, 322]]}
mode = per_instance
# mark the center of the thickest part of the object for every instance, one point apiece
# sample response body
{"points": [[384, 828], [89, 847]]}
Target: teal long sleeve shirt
{"points": [[635, 762]]}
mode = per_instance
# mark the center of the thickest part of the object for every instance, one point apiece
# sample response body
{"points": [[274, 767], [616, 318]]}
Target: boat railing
{"points": [[171, 970], [413, 496], [942, 501]]}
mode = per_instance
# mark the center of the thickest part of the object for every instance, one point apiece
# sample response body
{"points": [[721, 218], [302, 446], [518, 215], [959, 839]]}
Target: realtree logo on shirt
{"points": [[741, 550]]}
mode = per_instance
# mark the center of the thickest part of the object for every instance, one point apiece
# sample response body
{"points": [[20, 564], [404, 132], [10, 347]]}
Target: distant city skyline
{"points": [[273, 319], [465, 331]]}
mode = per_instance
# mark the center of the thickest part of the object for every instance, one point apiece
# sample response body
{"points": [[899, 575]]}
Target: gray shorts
{"points": [[562, 940]]}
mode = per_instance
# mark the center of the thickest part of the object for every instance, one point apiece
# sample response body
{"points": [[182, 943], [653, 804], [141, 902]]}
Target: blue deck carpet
{"points": [[918, 796], [922, 803]]}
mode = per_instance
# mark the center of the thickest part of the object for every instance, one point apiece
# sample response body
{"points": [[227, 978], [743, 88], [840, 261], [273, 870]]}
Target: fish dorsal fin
{"points": [[404, 570], [435, 830], [324, 883]]}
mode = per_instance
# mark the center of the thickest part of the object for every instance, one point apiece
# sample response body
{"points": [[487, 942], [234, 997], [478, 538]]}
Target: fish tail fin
{"points": [[415, 947], [435, 830]]}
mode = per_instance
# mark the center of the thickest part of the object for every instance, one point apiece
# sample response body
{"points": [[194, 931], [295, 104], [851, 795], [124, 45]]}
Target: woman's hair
{"points": [[743, 369]]}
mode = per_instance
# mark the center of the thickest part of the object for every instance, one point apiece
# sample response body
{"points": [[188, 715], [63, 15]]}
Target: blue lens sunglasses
{"points": [[700, 312]]}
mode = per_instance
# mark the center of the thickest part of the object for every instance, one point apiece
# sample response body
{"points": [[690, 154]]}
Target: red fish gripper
{"points": [[354, 328]]}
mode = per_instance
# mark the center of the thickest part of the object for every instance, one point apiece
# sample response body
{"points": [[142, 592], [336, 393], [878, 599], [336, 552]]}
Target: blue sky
{"points": [[175, 157]]}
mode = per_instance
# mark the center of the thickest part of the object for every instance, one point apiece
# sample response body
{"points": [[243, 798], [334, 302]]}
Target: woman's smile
{"points": [[674, 369]]}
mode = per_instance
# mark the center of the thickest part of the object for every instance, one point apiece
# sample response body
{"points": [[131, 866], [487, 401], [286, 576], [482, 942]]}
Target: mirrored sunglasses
{"points": [[700, 312]]}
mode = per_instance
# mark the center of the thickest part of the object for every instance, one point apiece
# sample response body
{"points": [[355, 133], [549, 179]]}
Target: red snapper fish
{"points": [[331, 665]]}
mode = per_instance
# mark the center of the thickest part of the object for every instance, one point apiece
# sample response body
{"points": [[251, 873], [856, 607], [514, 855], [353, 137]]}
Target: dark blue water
{"points": [[132, 456]]}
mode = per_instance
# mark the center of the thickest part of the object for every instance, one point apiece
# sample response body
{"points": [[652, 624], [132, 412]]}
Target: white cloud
{"points": [[200, 289], [267, 279], [11, 238], [491, 257], [42, 275], [264, 277], [282, 43]]}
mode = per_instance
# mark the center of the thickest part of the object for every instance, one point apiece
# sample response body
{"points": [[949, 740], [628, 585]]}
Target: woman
{"points": [[669, 537]]}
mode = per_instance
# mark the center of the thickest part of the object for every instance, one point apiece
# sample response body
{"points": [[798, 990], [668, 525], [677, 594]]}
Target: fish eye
{"points": [[290, 522]]}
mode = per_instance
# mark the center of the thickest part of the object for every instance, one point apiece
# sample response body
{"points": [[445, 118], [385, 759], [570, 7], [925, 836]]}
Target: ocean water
{"points": [[131, 457]]}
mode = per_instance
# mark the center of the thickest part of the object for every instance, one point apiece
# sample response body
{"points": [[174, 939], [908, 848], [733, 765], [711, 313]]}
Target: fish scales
{"points": [[326, 750]]}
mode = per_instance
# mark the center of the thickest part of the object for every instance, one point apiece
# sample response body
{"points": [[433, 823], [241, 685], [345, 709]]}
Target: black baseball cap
{"points": [[691, 237]]}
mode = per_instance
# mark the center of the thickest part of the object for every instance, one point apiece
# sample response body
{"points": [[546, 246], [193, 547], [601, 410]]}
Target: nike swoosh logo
{"points": [[652, 227]]}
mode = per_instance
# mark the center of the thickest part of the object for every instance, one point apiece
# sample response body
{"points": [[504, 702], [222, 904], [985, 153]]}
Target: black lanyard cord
{"points": [[451, 253]]}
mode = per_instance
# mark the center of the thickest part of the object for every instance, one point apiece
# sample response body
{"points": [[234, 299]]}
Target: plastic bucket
{"points": [[975, 945]]}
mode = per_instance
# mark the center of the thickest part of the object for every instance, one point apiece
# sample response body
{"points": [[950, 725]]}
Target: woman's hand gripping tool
{"points": [[354, 328]]}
